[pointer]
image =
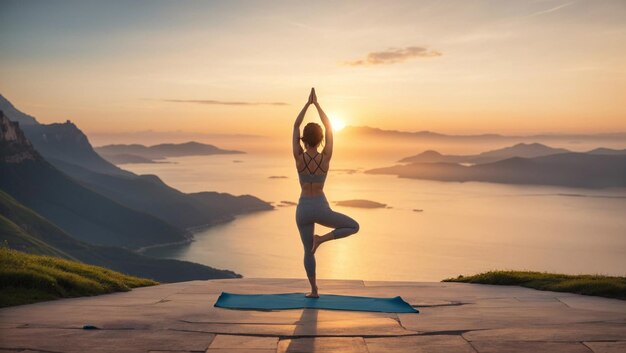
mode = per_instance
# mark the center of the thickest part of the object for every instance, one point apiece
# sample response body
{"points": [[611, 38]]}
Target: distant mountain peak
{"points": [[14, 114], [431, 152], [14, 146]]}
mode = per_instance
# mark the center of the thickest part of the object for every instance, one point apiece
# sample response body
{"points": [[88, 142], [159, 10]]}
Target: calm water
{"points": [[464, 228]]}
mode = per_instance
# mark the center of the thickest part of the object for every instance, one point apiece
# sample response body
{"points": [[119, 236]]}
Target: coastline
{"points": [[193, 230]]}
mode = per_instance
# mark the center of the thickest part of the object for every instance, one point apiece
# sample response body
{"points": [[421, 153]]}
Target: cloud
{"points": [[216, 102], [394, 56], [556, 8]]}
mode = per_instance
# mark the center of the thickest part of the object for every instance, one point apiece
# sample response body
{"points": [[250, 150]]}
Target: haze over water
{"points": [[464, 228]]}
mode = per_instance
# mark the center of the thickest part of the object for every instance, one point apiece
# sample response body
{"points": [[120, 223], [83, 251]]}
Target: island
{"points": [[361, 204], [136, 153]]}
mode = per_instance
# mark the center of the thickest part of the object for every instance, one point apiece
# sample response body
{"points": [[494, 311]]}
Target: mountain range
{"points": [[364, 132], [136, 153], [68, 149], [79, 210], [525, 150], [52, 173], [519, 164]]}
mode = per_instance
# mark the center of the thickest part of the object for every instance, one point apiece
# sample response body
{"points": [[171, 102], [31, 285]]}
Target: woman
{"points": [[313, 207]]}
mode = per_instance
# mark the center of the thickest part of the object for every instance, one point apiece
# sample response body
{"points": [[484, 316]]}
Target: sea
{"points": [[428, 230]]}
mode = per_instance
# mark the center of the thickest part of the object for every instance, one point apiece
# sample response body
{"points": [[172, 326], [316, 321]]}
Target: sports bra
{"points": [[311, 177]]}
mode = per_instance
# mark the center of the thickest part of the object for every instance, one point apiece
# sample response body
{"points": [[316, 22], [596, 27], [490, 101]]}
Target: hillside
{"points": [[67, 143], [68, 149], [28, 279], [14, 114], [150, 195], [83, 213], [24, 230]]}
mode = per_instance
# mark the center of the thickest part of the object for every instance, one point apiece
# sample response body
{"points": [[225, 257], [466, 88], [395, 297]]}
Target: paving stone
{"points": [[181, 317], [473, 317], [370, 327], [607, 347], [68, 341], [594, 303], [322, 345], [240, 350], [243, 342], [524, 347], [572, 333], [419, 344]]}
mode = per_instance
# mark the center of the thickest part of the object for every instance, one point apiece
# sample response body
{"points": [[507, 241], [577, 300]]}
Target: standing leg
{"points": [[344, 226], [306, 235]]}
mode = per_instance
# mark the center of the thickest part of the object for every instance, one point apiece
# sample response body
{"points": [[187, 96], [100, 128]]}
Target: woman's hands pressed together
{"points": [[312, 97]]}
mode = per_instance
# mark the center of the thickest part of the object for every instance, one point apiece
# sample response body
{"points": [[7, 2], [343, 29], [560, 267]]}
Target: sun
{"points": [[337, 123]]}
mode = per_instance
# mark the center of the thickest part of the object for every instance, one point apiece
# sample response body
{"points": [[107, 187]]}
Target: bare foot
{"points": [[313, 293], [316, 242]]}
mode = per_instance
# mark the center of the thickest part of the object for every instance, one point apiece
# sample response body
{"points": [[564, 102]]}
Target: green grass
{"points": [[596, 285], [27, 278]]}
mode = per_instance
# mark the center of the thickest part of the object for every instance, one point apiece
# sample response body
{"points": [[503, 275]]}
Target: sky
{"points": [[246, 67]]}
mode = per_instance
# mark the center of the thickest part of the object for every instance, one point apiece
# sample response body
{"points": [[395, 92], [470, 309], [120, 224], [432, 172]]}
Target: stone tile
{"points": [[572, 333], [322, 345], [523, 347], [68, 341], [419, 344], [594, 303], [236, 329], [243, 342], [475, 316], [239, 350], [607, 347], [369, 327], [182, 314]]}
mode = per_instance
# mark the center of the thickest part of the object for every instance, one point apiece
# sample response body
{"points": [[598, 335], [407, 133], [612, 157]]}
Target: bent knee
{"points": [[356, 226]]}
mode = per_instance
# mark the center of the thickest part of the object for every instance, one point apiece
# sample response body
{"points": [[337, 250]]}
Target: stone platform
{"points": [[454, 317]]}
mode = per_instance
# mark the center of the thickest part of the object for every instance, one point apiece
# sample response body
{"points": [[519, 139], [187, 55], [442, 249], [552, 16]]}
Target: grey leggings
{"points": [[313, 210]]}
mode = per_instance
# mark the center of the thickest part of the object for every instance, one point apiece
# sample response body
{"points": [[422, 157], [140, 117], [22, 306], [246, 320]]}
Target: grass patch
{"points": [[596, 285], [26, 278]]}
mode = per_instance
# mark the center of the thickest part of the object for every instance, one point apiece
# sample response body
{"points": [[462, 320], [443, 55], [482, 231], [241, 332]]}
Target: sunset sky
{"points": [[245, 67]]}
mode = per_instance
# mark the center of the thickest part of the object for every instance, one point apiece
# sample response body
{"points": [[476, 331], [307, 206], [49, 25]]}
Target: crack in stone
{"points": [[82, 329], [586, 346], [438, 305], [30, 349], [238, 323], [409, 334], [469, 343], [397, 319]]}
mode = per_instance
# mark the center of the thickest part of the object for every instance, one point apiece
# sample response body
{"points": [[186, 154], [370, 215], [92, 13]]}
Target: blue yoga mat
{"points": [[325, 301]]}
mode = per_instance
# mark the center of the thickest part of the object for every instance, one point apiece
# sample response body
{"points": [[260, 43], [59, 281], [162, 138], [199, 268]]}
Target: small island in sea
{"points": [[277, 177], [361, 204]]}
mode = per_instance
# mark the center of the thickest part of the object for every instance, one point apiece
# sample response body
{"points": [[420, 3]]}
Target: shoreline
{"points": [[193, 230]]}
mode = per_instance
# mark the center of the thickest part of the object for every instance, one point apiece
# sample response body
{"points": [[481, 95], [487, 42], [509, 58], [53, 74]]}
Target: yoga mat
{"points": [[325, 301]]}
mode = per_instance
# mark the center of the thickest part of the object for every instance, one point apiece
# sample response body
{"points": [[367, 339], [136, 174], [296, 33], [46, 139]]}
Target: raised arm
{"points": [[297, 148], [328, 145]]}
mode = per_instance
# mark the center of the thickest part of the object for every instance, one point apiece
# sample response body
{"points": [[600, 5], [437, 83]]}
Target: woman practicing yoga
{"points": [[313, 207]]}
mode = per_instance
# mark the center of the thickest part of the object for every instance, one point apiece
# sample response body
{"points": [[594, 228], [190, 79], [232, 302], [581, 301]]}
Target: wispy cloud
{"points": [[217, 102], [394, 56], [552, 9]]}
